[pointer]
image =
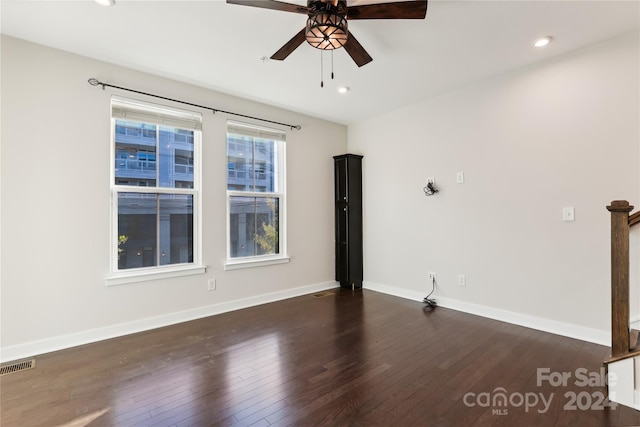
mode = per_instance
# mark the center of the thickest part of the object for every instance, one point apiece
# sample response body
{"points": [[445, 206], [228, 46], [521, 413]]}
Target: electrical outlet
{"points": [[462, 280], [211, 285], [432, 277]]}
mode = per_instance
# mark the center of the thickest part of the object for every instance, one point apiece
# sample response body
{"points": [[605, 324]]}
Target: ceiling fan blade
{"points": [[289, 46], [272, 4], [399, 10], [356, 51]]}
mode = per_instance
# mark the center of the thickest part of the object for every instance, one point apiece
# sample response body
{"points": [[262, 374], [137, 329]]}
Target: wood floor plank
{"points": [[353, 358]]}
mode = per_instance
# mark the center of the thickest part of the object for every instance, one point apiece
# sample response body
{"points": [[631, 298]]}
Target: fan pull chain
{"points": [[332, 65], [321, 70]]}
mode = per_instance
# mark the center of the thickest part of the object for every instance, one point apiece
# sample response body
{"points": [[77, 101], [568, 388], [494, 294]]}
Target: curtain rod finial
{"points": [[95, 82]]}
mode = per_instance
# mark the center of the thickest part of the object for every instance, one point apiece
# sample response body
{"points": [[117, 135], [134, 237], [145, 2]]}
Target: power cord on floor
{"points": [[430, 302]]}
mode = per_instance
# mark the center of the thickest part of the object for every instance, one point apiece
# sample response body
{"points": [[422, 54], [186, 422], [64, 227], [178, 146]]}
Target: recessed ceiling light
{"points": [[105, 2], [543, 41], [343, 89]]}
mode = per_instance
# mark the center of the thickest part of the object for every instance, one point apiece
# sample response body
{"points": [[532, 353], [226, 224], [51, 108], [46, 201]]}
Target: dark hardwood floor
{"points": [[352, 358]]}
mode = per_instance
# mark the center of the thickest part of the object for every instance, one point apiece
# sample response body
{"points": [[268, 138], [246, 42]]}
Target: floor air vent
{"points": [[322, 294], [17, 367]]}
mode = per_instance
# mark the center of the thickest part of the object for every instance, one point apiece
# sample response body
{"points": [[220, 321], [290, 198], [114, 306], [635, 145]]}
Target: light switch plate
{"points": [[568, 214]]}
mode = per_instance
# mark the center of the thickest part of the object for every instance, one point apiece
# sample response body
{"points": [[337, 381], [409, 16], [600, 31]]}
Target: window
{"points": [[155, 186], [255, 196]]}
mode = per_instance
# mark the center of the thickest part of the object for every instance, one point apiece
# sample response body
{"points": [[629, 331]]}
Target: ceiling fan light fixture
{"points": [[326, 30]]}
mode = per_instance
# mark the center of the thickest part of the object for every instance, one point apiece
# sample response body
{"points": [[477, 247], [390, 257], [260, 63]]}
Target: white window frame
{"points": [[282, 256], [134, 110]]}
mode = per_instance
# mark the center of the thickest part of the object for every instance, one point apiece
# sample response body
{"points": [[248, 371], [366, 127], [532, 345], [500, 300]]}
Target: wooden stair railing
{"points": [[624, 341]]}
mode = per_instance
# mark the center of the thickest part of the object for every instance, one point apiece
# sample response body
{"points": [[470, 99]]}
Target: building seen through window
{"points": [[254, 191], [154, 228]]}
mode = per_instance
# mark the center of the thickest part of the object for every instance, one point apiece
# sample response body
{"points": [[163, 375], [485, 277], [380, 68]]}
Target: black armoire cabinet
{"points": [[348, 214]]}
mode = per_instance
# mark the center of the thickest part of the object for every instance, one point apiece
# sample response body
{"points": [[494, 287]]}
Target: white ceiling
{"points": [[217, 45]]}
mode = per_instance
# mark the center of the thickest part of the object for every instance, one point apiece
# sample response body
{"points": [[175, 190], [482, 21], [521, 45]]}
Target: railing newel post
{"points": [[620, 342]]}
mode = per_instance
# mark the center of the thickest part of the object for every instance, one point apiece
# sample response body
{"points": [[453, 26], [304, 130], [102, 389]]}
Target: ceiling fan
{"points": [[327, 27]]}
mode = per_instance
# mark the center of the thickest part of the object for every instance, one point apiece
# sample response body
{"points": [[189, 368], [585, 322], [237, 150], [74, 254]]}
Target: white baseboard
{"points": [[34, 348], [48, 345], [596, 336]]}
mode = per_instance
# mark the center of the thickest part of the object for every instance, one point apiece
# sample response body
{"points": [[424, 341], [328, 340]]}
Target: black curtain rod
{"points": [[95, 82]]}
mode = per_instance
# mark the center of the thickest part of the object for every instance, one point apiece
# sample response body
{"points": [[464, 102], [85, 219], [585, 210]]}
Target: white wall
{"points": [[562, 133], [56, 204]]}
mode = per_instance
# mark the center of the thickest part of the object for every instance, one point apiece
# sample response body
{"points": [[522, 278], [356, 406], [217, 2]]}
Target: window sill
{"points": [[143, 275], [254, 262]]}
